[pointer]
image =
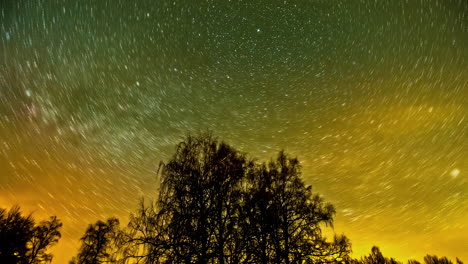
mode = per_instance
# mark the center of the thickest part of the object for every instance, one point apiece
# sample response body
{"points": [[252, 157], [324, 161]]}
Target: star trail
{"points": [[371, 96]]}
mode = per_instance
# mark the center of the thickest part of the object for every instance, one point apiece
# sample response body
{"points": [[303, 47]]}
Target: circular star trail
{"points": [[371, 96]]}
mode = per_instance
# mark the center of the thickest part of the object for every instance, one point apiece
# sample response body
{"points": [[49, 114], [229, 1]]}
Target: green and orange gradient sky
{"points": [[371, 96]]}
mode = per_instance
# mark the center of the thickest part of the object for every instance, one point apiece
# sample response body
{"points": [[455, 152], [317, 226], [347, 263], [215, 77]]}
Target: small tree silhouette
{"points": [[45, 235], [376, 257], [23, 242], [97, 243], [433, 259], [15, 232], [286, 217]]}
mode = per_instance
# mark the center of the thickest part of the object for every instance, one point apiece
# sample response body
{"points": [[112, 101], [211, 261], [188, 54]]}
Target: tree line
{"points": [[215, 206]]}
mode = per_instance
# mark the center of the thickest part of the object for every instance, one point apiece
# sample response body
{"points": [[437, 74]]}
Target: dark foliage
{"points": [[376, 257], [21, 241], [433, 259], [15, 232], [217, 206], [46, 234], [283, 217], [200, 202], [98, 243]]}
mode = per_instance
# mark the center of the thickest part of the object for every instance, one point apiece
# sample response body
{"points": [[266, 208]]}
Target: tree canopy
{"points": [[97, 243], [215, 205]]}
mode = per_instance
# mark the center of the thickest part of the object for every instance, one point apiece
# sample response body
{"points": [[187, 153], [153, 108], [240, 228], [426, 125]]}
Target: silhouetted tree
{"points": [[144, 240], [376, 257], [98, 243], [23, 242], [257, 214], [15, 232], [433, 259], [45, 235], [287, 217], [200, 201], [216, 206]]}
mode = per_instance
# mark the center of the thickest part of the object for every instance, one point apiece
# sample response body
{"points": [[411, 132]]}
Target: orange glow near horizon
{"points": [[371, 96]]}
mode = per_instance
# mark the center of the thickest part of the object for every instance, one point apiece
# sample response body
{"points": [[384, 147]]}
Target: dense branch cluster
{"points": [[22, 241], [217, 206]]}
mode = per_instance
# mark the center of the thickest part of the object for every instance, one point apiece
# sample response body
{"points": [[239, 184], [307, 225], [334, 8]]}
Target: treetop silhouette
{"points": [[217, 206]]}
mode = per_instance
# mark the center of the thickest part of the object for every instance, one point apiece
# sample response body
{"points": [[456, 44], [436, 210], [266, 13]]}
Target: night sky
{"points": [[371, 96]]}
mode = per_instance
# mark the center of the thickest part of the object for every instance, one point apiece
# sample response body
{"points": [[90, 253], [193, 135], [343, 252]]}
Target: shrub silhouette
{"points": [[376, 257]]}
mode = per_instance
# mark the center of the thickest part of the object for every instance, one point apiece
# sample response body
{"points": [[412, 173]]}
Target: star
{"points": [[454, 173]]}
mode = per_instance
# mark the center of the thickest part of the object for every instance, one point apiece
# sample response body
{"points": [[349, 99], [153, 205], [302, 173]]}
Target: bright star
{"points": [[455, 172]]}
